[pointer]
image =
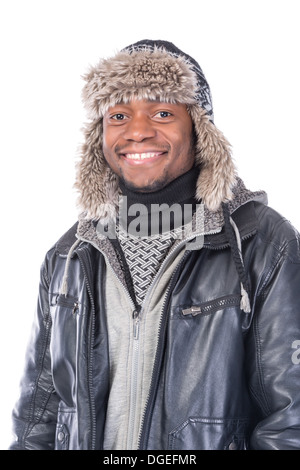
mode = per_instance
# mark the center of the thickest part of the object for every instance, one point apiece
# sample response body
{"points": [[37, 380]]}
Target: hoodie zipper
{"points": [[134, 380], [145, 427]]}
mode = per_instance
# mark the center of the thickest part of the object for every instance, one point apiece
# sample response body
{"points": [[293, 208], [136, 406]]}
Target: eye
{"points": [[118, 117], [163, 114]]}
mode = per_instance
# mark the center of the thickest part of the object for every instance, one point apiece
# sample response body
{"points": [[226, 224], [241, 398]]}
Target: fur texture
{"points": [[143, 75], [153, 74]]}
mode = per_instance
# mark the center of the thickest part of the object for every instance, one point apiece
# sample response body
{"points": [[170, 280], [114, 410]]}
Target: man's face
{"points": [[148, 143]]}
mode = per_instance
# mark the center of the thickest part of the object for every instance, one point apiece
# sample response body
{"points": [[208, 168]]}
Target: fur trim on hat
{"points": [[213, 153], [152, 75], [140, 74], [98, 186]]}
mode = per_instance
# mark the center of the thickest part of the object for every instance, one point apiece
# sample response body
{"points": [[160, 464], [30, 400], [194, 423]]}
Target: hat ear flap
{"points": [[213, 154], [95, 181]]}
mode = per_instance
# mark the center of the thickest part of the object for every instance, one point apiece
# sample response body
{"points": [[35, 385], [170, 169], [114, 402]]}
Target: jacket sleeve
{"points": [[274, 355], [34, 416]]}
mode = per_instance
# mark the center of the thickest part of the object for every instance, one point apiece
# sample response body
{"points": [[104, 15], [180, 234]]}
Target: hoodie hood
{"points": [[151, 70]]}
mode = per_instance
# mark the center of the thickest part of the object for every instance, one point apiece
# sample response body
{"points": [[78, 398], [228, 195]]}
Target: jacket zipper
{"points": [[70, 303], [207, 308], [135, 354], [80, 253], [145, 427]]}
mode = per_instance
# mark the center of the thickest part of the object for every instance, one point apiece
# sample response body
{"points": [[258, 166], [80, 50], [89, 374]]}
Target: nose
{"points": [[139, 128]]}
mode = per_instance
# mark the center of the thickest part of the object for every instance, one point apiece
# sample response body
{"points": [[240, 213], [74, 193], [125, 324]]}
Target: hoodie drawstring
{"points": [[236, 250], [64, 285]]}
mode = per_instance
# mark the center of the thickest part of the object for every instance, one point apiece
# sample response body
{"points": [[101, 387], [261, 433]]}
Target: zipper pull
{"points": [[194, 310], [136, 321], [75, 308]]}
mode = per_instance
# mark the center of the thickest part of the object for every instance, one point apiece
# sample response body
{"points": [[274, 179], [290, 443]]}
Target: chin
{"points": [[147, 187]]}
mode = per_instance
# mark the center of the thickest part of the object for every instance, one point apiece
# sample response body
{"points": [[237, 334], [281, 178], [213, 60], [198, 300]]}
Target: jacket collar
{"points": [[246, 220], [242, 209]]}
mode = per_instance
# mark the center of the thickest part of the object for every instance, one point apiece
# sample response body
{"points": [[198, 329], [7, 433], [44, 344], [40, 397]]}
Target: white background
{"points": [[249, 52]]}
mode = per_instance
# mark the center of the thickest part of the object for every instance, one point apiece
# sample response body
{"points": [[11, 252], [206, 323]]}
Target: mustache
{"points": [[153, 148]]}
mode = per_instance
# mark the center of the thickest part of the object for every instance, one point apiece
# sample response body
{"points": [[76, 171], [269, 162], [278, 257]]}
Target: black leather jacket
{"points": [[223, 378]]}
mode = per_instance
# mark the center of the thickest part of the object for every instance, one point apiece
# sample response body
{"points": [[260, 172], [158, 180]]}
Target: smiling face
{"points": [[148, 143]]}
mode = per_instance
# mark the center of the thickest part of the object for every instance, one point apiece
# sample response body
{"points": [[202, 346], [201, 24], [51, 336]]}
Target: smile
{"points": [[142, 156]]}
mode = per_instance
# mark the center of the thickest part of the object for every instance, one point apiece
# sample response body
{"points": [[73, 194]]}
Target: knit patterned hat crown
{"points": [[150, 70]]}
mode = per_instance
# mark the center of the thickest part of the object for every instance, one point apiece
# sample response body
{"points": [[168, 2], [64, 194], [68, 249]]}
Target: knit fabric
{"points": [[144, 257]]}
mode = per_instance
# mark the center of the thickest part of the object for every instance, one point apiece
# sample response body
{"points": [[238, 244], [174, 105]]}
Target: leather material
{"points": [[223, 379]]}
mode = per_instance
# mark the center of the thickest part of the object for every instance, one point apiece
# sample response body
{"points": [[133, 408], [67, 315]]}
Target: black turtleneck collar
{"points": [[180, 191]]}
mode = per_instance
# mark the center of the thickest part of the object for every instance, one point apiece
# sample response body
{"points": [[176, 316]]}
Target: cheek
{"points": [[107, 149], [185, 145], [108, 143], [106, 139]]}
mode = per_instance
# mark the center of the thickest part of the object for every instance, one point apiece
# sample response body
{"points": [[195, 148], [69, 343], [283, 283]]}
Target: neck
{"points": [[174, 204]]}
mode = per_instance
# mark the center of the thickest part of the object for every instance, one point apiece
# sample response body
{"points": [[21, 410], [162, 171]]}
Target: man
{"points": [[168, 316]]}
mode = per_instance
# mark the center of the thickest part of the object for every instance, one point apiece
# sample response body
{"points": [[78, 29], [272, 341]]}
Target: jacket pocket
{"points": [[66, 319], [210, 307], [198, 433]]}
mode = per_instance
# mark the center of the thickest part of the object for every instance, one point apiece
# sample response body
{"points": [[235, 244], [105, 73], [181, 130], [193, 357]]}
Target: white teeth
{"points": [[141, 156]]}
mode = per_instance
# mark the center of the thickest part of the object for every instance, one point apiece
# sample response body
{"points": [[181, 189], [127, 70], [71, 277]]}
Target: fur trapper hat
{"points": [[152, 70]]}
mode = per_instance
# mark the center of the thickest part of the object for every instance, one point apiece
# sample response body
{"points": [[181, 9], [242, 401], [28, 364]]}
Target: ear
{"points": [[96, 183], [213, 154]]}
